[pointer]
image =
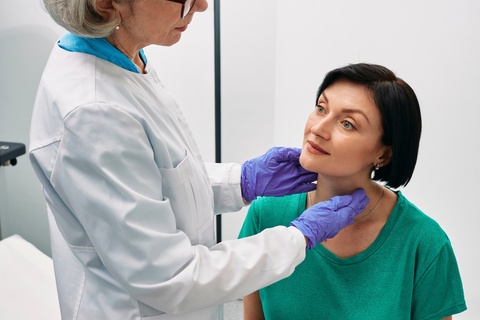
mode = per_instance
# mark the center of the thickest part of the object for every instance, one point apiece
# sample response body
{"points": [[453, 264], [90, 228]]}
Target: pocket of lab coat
{"points": [[191, 199]]}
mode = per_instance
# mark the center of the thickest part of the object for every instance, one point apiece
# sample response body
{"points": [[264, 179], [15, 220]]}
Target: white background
{"points": [[274, 56]]}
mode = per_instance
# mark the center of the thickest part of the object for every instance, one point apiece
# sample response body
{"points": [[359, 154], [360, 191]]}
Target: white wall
{"points": [[26, 37], [275, 54]]}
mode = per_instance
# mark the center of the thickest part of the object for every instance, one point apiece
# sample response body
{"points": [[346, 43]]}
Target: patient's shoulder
{"points": [[276, 211]]}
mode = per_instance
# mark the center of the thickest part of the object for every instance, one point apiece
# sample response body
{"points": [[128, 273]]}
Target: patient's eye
{"points": [[347, 125], [320, 109]]}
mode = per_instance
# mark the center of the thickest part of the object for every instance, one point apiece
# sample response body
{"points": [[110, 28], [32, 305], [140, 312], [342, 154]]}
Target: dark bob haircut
{"points": [[400, 112]]}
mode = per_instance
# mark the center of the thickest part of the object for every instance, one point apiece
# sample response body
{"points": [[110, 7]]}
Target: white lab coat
{"points": [[131, 204]]}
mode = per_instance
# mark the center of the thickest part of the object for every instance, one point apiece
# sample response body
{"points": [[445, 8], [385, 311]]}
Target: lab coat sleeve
{"points": [[235, 268], [225, 182], [106, 174]]}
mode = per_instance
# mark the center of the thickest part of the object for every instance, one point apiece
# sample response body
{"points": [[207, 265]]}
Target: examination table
{"points": [[27, 282]]}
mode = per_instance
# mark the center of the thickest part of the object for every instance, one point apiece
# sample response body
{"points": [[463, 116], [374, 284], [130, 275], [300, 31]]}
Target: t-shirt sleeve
{"points": [[251, 225], [439, 292]]}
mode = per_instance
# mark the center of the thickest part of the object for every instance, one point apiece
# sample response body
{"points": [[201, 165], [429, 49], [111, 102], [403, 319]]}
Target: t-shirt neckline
{"points": [[379, 241]]}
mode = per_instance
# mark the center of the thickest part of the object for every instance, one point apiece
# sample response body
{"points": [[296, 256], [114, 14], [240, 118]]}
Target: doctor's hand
{"points": [[325, 219], [277, 173]]}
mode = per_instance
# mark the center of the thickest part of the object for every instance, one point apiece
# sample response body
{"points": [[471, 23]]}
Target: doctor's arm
{"points": [[108, 177]]}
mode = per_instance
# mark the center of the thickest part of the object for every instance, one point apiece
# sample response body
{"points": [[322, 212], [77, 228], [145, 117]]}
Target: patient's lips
{"points": [[314, 148]]}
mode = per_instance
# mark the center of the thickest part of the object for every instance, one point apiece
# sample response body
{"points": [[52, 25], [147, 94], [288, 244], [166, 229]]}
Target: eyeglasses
{"points": [[186, 6]]}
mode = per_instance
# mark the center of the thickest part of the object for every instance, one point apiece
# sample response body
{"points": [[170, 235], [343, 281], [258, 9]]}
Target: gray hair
{"points": [[81, 18]]}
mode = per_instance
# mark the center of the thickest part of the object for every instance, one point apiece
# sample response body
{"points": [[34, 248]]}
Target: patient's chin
{"points": [[309, 163], [304, 162]]}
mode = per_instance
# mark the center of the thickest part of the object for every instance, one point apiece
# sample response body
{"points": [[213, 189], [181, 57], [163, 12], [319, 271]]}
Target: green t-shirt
{"points": [[409, 271]]}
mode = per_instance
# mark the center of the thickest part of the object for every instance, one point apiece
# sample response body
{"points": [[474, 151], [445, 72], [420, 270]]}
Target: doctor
{"points": [[131, 204]]}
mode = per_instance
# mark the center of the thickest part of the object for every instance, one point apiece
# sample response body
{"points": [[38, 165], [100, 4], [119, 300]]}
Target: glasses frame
{"points": [[183, 14]]}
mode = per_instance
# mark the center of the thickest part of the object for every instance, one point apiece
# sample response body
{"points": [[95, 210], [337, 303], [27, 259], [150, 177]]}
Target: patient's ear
{"points": [[106, 9], [386, 158]]}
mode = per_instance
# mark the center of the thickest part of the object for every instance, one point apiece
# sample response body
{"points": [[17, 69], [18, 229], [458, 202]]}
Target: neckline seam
{"points": [[374, 247]]}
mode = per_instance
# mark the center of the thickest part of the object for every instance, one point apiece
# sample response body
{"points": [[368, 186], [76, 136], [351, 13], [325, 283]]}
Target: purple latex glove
{"points": [[325, 219], [277, 173]]}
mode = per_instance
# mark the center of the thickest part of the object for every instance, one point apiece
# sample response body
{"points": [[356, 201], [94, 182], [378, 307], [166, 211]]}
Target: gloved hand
{"points": [[277, 173], [325, 219]]}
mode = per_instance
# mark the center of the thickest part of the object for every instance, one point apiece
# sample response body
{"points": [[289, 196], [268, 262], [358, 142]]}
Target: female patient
{"points": [[393, 262]]}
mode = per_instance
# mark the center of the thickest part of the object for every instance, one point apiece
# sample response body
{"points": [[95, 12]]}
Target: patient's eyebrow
{"points": [[356, 111], [325, 96], [348, 110]]}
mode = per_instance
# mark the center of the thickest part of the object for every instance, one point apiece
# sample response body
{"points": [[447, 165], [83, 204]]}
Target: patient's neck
{"points": [[328, 188]]}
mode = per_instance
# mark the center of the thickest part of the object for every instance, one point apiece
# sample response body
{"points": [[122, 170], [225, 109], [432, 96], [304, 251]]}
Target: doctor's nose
{"points": [[199, 6]]}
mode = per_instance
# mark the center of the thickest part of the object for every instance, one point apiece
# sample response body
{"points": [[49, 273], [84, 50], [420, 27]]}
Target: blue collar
{"points": [[100, 48]]}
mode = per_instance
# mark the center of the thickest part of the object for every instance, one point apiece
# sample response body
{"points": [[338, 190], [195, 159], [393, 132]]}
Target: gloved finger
{"points": [[351, 211], [357, 197], [349, 220], [302, 171], [307, 178], [287, 154], [363, 204], [339, 202], [303, 188]]}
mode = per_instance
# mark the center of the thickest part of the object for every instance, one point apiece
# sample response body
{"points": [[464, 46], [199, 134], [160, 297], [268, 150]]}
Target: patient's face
{"points": [[342, 135]]}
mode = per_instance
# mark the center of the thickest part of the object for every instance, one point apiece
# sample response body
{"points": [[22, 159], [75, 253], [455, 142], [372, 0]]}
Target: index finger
{"points": [[358, 197]]}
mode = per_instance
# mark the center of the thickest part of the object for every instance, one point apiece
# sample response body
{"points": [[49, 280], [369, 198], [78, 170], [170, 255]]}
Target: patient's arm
{"points": [[252, 307]]}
